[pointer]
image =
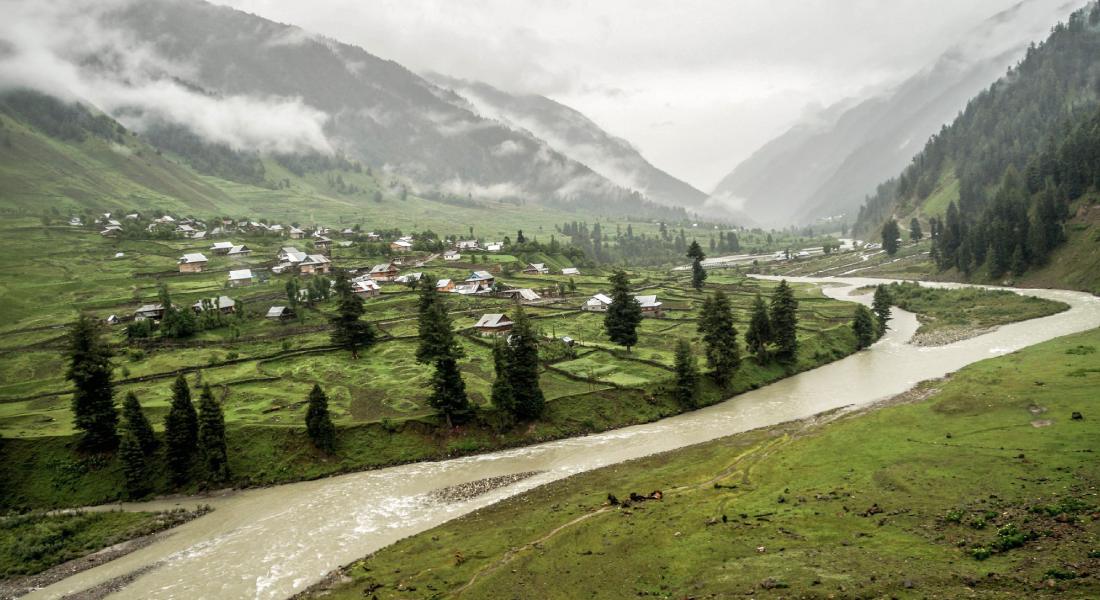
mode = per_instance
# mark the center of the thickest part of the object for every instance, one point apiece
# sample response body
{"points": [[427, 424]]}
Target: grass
{"points": [[31, 543], [952, 492]]}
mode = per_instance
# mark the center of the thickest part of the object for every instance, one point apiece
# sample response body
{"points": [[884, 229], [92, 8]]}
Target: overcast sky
{"points": [[696, 85]]}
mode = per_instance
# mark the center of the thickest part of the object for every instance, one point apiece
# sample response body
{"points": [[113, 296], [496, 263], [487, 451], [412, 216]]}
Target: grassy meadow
{"points": [[982, 485]]}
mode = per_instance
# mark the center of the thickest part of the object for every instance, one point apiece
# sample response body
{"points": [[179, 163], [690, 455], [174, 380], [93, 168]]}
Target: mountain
{"points": [[825, 166], [224, 88], [574, 135]]}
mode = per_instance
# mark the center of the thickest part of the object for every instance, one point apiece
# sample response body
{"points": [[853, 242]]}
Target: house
{"points": [[296, 234], [384, 272], [199, 235], [348, 232], [223, 304], [494, 324], [373, 237], [367, 288], [322, 243], [221, 247], [570, 271], [597, 303], [409, 278], [280, 313], [193, 262], [241, 250], [650, 305], [315, 263], [112, 320], [481, 277], [521, 295], [401, 245], [445, 285], [110, 231], [451, 255], [494, 246], [473, 287], [276, 228], [536, 269], [290, 254], [467, 245], [149, 311], [185, 230], [240, 277]]}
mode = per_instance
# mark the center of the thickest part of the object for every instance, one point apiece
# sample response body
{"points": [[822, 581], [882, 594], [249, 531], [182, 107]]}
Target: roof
{"points": [[316, 259], [480, 276], [493, 320], [240, 274], [193, 257], [570, 271], [144, 308], [647, 301], [219, 302], [409, 277], [401, 243], [293, 254], [383, 268], [601, 299], [276, 311], [527, 294], [239, 249], [443, 283], [539, 266], [221, 245], [365, 285]]}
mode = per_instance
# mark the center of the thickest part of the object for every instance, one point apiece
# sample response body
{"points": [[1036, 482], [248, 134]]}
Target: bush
{"points": [[136, 354]]}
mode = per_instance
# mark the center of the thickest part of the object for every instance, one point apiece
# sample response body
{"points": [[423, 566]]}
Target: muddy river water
{"points": [[273, 542]]}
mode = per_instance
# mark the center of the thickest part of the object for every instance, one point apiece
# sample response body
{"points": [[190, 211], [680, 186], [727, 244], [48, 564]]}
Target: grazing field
{"points": [[262, 370], [983, 485]]}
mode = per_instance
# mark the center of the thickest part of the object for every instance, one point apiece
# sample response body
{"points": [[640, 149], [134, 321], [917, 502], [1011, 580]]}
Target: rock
{"points": [[908, 583], [1077, 416]]}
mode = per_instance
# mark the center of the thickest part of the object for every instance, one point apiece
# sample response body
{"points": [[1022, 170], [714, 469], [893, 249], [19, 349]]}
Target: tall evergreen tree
{"points": [[435, 332], [135, 467], [137, 423], [863, 324], [698, 273], [318, 421], [349, 331], [624, 314], [881, 307], [90, 371], [687, 374], [181, 431], [212, 446], [503, 397], [759, 334], [915, 233], [523, 368], [448, 390], [784, 321], [720, 337], [890, 235]]}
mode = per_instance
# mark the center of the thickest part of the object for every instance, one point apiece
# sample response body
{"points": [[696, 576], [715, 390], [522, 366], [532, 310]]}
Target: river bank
{"points": [[271, 543]]}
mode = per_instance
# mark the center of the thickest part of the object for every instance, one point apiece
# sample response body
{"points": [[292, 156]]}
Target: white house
{"points": [[451, 255], [570, 271], [240, 277], [221, 247], [597, 303]]}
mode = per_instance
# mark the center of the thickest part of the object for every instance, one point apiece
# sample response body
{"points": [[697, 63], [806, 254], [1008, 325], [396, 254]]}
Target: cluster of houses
{"points": [[291, 258], [601, 302]]}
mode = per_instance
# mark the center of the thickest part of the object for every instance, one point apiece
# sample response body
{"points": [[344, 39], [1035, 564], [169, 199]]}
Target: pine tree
{"points": [[436, 334], [523, 368], [624, 314], [448, 390], [881, 307], [212, 446], [698, 273], [687, 374], [318, 421], [784, 321], [181, 432], [915, 233], [759, 334], [135, 469], [720, 337], [890, 235], [349, 331], [137, 424], [90, 371], [503, 397], [863, 324]]}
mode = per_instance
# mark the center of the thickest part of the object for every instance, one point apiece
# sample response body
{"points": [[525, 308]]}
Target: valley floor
{"points": [[983, 485]]}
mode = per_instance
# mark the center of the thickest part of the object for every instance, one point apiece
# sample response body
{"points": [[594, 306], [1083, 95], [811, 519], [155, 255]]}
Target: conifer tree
{"points": [[863, 324], [435, 332], [915, 233], [319, 422], [523, 368], [448, 390], [784, 321], [503, 397], [890, 234], [137, 424], [90, 371], [624, 314], [687, 374], [720, 337], [212, 446], [349, 331], [759, 334], [881, 307], [181, 432], [698, 273], [135, 469]]}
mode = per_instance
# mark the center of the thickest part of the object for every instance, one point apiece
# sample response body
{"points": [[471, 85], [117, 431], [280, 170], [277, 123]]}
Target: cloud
{"points": [[508, 148], [64, 49]]}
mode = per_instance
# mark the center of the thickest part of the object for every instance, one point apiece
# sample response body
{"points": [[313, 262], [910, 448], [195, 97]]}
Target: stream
{"points": [[273, 542]]}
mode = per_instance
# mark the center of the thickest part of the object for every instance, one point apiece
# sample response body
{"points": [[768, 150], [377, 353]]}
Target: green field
{"points": [[980, 486]]}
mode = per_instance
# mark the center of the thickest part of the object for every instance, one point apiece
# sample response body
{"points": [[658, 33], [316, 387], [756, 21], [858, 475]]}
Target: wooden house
{"points": [[494, 324], [536, 269], [193, 262]]}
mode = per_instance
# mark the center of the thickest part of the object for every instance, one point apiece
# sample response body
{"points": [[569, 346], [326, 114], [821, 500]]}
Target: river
{"points": [[270, 543]]}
